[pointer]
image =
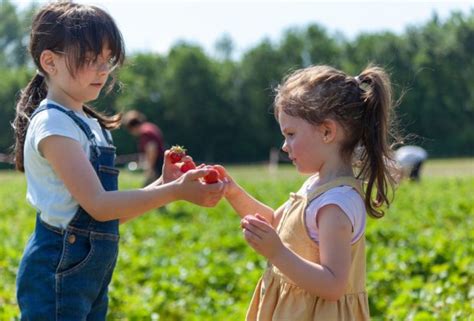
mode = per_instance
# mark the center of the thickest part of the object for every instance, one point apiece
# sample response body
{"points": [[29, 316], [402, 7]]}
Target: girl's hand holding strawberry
{"points": [[197, 184], [172, 165], [177, 162], [187, 165], [176, 154], [190, 187]]}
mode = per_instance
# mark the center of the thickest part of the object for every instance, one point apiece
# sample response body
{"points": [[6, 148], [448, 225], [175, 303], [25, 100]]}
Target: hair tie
{"points": [[364, 86]]}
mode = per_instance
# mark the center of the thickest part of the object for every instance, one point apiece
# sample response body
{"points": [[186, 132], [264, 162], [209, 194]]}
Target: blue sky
{"points": [[155, 25]]}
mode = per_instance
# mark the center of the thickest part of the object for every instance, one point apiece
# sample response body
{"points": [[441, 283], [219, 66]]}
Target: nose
{"points": [[284, 147]]}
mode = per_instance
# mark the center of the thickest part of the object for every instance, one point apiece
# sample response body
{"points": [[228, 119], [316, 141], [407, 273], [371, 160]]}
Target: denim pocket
{"points": [[83, 286], [109, 177], [77, 251]]}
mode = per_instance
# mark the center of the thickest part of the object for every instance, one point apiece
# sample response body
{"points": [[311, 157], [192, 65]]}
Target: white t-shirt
{"points": [[45, 191], [345, 197]]}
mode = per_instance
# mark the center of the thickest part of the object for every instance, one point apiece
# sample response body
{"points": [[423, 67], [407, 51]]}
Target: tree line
{"points": [[220, 108]]}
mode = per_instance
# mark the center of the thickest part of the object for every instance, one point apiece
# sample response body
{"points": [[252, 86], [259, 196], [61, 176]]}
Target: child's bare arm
{"points": [[72, 166], [328, 279], [242, 202]]}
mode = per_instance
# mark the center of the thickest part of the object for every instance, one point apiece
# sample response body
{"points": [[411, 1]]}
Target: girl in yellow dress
{"points": [[336, 128]]}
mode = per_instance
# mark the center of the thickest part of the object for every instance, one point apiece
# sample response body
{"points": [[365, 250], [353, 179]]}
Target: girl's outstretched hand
{"points": [[190, 188], [231, 186], [260, 235]]}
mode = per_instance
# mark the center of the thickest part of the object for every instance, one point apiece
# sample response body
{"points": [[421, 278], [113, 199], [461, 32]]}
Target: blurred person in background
{"points": [[151, 144], [410, 160]]}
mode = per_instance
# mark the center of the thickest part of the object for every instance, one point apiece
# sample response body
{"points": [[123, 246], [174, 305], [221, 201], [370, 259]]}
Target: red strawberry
{"points": [[188, 165], [176, 153], [212, 177]]}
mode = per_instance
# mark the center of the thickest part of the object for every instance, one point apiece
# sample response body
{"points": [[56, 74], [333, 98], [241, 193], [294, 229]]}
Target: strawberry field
{"points": [[183, 262]]}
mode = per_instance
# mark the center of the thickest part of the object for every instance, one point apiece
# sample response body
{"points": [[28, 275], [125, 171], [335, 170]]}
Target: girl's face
{"points": [[86, 83], [303, 143]]}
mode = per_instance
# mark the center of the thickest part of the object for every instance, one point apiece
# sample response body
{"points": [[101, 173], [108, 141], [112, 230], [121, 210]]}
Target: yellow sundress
{"points": [[276, 298]]}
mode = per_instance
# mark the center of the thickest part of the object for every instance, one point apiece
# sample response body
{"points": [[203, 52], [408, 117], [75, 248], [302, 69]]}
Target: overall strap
{"points": [[107, 135], [300, 200], [79, 122], [341, 181]]}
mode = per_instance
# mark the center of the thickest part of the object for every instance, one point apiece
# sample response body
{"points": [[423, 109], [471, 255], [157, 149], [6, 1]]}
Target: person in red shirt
{"points": [[150, 143]]}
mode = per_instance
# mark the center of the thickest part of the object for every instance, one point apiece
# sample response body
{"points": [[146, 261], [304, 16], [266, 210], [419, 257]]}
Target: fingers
{"points": [[211, 200], [221, 170], [200, 193], [215, 200], [195, 174], [259, 223], [186, 158], [216, 188], [253, 228], [250, 236], [213, 193], [202, 171], [167, 158], [246, 223]]}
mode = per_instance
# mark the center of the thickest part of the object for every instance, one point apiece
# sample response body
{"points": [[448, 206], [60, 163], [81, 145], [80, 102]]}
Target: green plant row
{"points": [[183, 262]]}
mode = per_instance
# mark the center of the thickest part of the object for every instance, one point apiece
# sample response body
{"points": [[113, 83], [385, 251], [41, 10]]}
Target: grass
{"points": [[188, 263]]}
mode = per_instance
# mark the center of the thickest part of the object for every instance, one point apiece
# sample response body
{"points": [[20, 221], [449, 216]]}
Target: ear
{"points": [[48, 62], [328, 130]]}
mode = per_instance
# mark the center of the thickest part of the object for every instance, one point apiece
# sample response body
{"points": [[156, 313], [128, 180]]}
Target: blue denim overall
{"points": [[64, 273]]}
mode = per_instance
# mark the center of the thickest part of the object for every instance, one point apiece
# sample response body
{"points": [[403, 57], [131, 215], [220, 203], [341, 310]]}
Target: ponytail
{"points": [[376, 158], [29, 100]]}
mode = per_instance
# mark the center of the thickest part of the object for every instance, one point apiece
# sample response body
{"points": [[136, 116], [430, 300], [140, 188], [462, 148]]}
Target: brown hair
{"points": [[363, 107], [77, 31]]}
